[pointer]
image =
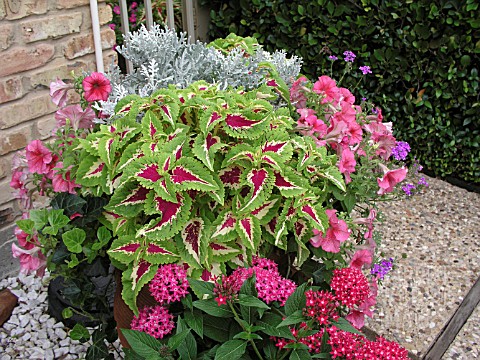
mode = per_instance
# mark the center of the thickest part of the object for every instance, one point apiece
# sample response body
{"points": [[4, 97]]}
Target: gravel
{"points": [[31, 333]]}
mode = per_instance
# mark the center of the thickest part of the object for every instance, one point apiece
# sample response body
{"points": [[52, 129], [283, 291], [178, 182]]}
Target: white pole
{"points": [[97, 40], [149, 13], [125, 29], [170, 15]]}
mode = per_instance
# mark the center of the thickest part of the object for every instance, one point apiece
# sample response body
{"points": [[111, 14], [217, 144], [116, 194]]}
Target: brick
{"points": [[26, 8], [50, 73], [51, 27], [6, 166], [104, 14], [69, 4], [81, 45], [15, 139], [45, 126], [7, 216], [5, 191], [21, 59], [11, 89], [3, 10], [6, 36], [30, 108]]}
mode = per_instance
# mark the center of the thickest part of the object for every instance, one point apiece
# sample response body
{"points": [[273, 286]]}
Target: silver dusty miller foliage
{"points": [[161, 57]]}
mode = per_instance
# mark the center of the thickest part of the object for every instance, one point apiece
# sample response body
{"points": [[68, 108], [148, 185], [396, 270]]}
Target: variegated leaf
{"points": [[222, 252], [160, 252], [289, 184], [265, 212], [261, 186], [316, 216], [91, 172], [129, 199], [230, 177], [237, 153], [137, 275], [224, 227], [131, 153], [189, 174], [246, 124], [192, 234], [249, 231], [335, 176], [205, 148], [125, 249], [152, 126], [209, 118]]}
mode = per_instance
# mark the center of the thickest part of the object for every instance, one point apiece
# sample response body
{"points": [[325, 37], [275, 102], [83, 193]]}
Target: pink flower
{"points": [[368, 221], [96, 87], [155, 321], [385, 144], [30, 260], [351, 286], [76, 116], [356, 318], [23, 240], [112, 26], [169, 284], [116, 9], [39, 158], [61, 182], [347, 113], [337, 233], [18, 179], [346, 95], [360, 259], [59, 91], [390, 179], [327, 87], [297, 93], [347, 162]]}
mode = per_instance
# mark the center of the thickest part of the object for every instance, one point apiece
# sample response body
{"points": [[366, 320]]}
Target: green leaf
{"points": [[188, 348], [26, 225], [143, 344], [70, 203], [194, 319], [98, 349], [201, 288], [73, 240], [269, 323], [296, 301], [252, 301], [231, 350], [211, 307], [56, 220], [295, 318], [345, 325], [39, 217], [175, 341], [215, 329], [300, 354], [79, 332], [67, 313]]}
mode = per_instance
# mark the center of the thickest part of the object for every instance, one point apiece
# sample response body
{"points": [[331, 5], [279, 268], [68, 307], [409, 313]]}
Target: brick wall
{"points": [[40, 40]]}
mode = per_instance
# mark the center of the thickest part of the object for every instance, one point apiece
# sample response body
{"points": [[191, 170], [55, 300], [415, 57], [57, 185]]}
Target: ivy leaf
{"points": [[98, 349], [79, 332], [26, 225], [56, 220], [70, 203], [143, 344], [231, 350], [73, 239]]}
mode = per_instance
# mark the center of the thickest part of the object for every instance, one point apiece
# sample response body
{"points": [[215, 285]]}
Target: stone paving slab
{"points": [[439, 232]]}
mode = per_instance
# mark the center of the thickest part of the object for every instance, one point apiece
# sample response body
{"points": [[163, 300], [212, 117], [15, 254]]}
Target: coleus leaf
{"points": [[118, 224], [91, 171], [131, 153], [316, 215], [261, 181], [231, 177], [125, 249], [159, 252], [265, 212], [335, 176], [300, 231], [249, 231], [134, 278], [129, 199], [205, 148], [173, 216], [289, 183], [192, 234], [222, 252], [237, 153], [245, 124], [219, 194], [129, 105], [168, 105], [189, 174], [152, 127], [210, 117], [224, 226]]}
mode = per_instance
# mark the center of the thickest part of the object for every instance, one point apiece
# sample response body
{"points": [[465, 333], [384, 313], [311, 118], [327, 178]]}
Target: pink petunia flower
{"points": [[297, 93], [337, 233], [390, 179], [327, 87], [63, 182], [360, 259], [368, 221], [116, 9], [346, 96], [30, 260], [77, 117], [347, 162], [40, 160], [59, 92], [96, 87]]}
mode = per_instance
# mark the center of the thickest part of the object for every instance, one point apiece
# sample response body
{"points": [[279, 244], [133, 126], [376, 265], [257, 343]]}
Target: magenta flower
{"points": [[297, 93], [155, 321], [346, 96], [112, 26], [368, 221], [337, 233], [116, 9], [360, 259], [96, 87], [327, 87], [390, 179], [39, 158], [347, 162], [76, 116], [61, 182], [59, 92], [169, 284], [351, 286], [23, 240], [18, 179], [30, 260]]}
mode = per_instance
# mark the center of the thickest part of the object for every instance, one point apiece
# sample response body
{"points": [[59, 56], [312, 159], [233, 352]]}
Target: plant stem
{"points": [[285, 355], [237, 318]]}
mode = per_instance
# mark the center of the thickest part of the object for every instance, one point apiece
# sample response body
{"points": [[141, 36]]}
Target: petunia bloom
{"points": [[390, 179], [96, 87], [63, 182], [337, 233], [76, 116], [361, 258], [30, 260], [327, 87], [59, 91], [39, 158]]}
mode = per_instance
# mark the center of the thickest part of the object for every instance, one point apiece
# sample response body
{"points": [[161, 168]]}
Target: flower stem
{"points": [[237, 318]]}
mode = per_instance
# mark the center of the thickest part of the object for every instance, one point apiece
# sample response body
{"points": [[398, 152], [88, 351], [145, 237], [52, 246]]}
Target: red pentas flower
{"points": [[155, 321], [96, 87], [169, 284], [350, 286], [321, 306]]}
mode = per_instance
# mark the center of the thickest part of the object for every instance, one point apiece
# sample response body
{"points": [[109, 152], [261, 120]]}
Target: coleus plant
{"points": [[208, 178]]}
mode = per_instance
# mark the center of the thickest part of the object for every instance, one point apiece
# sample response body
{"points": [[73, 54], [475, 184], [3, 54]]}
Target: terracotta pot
{"points": [[122, 314]]}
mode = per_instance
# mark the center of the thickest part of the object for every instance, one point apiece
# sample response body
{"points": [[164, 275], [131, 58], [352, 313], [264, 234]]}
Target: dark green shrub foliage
{"points": [[424, 56]]}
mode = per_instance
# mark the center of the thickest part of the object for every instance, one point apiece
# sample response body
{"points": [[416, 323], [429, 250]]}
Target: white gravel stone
{"points": [[60, 333]]}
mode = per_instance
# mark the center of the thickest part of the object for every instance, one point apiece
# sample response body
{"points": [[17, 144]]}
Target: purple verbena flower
{"points": [[407, 189], [422, 181], [349, 56], [401, 150], [364, 99], [333, 57], [365, 70], [382, 269]]}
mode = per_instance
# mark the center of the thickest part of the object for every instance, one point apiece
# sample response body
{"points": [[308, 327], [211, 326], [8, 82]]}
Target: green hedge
{"points": [[424, 56]]}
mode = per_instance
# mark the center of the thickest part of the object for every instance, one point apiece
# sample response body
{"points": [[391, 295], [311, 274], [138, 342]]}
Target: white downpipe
{"points": [[97, 40]]}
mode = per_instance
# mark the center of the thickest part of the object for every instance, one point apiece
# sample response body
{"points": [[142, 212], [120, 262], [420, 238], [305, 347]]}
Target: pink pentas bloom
{"points": [[30, 260], [96, 87], [169, 284], [116, 9], [155, 321], [327, 87], [39, 158], [61, 181], [337, 233], [360, 259], [390, 179], [59, 92], [76, 117]]}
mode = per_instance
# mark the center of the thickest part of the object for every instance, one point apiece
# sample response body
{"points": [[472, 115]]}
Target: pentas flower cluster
{"points": [[40, 170], [314, 341], [346, 345], [350, 285], [270, 285], [155, 321], [321, 306]]}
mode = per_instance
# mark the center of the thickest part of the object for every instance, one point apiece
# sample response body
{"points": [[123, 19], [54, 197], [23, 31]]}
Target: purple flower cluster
{"points": [[407, 189], [382, 269], [401, 150], [422, 181], [349, 56], [365, 70], [332, 57]]}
